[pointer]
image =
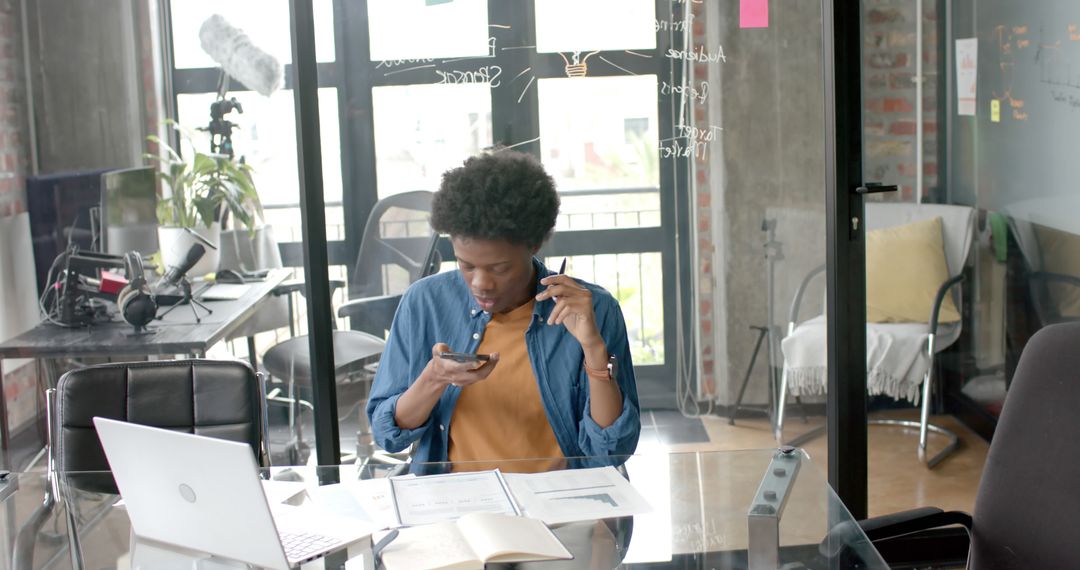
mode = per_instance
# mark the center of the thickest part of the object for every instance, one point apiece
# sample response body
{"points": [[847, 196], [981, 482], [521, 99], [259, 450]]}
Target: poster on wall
{"points": [[967, 54]]}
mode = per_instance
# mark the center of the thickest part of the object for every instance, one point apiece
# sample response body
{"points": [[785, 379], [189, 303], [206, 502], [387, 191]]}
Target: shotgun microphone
{"points": [[232, 49]]}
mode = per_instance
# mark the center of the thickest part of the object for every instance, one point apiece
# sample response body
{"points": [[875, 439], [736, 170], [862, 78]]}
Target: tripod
{"points": [[773, 253], [188, 299]]}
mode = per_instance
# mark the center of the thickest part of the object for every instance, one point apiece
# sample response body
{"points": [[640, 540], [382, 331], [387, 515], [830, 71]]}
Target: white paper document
{"points": [[572, 495], [967, 65], [366, 499], [436, 498]]}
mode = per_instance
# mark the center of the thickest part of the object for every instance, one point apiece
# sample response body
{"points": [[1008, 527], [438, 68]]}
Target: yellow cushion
{"points": [[1061, 254], [905, 266]]}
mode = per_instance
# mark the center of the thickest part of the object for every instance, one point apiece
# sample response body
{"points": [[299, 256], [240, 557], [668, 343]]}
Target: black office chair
{"points": [[221, 399], [1028, 493], [398, 247]]}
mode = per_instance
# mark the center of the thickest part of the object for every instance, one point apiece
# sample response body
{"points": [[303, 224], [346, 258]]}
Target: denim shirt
{"points": [[440, 308]]}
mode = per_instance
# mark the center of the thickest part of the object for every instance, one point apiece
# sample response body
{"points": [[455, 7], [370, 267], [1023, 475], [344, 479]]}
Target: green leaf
{"points": [[203, 164], [206, 207], [200, 187]]}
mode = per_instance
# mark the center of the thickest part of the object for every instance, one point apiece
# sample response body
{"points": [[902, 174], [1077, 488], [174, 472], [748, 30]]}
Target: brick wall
{"points": [[702, 204], [12, 112], [19, 384], [890, 94], [150, 72]]}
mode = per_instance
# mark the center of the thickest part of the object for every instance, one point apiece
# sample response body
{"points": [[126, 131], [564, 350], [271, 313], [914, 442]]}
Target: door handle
{"points": [[876, 188], [856, 203]]}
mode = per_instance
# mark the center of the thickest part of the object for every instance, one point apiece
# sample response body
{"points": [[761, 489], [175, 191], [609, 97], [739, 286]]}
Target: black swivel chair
{"points": [[1028, 493], [216, 398], [398, 247]]}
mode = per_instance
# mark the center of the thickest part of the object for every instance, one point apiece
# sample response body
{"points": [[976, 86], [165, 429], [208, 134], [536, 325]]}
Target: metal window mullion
{"points": [[205, 79], [356, 121], [674, 218], [313, 224]]}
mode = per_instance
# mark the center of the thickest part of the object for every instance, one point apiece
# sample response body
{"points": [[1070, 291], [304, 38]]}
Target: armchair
{"points": [[900, 355]]}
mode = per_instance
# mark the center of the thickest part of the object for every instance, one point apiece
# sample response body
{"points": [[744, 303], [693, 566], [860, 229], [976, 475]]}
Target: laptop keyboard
{"points": [[301, 545]]}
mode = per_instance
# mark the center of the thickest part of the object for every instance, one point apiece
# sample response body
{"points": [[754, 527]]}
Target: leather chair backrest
{"points": [[957, 225], [1027, 510], [216, 398]]}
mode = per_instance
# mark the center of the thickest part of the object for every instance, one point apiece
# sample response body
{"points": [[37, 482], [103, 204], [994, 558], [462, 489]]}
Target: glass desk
{"points": [[701, 516]]}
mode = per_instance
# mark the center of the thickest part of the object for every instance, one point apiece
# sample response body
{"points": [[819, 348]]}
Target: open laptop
{"points": [[204, 494]]}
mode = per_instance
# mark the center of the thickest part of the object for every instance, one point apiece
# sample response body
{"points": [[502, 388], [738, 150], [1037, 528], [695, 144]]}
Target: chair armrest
{"points": [[796, 302], [288, 286], [1057, 278], [371, 314], [300, 286], [939, 298], [369, 305], [915, 520]]}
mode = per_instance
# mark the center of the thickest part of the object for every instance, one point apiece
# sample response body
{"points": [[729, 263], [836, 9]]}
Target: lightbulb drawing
{"points": [[576, 65]]}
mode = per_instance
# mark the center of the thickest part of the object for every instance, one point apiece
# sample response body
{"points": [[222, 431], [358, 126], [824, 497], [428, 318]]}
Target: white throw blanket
{"points": [[896, 358]]}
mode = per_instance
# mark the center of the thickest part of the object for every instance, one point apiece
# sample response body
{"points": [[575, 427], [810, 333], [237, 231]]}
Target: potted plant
{"points": [[195, 194]]}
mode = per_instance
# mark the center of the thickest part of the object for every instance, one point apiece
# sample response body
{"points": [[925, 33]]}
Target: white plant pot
{"points": [[175, 243]]}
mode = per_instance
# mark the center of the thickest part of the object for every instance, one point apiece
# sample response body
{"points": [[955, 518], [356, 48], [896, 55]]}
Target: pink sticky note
{"points": [[753, 13]]}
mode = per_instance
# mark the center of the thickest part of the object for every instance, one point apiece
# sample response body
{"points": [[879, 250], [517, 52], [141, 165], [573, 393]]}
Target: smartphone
{"points": [[464, 357]]}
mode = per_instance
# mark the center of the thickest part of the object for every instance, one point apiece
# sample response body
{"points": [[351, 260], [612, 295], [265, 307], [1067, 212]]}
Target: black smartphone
{"points": [[464, 357]]}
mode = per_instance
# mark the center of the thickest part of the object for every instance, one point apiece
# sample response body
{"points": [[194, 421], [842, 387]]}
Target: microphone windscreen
{"points": [[231, 48]]}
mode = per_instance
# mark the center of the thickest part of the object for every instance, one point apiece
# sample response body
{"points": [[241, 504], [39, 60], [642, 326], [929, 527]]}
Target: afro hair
{"points": [[504, 195]]}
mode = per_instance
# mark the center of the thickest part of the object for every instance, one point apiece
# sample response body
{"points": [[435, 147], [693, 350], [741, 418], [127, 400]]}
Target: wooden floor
{"points": [[897, 479]]}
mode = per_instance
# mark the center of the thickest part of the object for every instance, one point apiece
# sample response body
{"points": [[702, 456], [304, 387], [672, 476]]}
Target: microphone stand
{"points": [[187, 298], [767, 333]]}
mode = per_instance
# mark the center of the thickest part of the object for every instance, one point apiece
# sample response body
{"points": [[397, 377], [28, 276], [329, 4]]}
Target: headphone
{"points": [[136, 304]]}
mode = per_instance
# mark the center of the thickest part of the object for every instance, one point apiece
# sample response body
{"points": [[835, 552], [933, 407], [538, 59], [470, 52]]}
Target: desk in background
{"points": [[176, 334], [700, 505]]}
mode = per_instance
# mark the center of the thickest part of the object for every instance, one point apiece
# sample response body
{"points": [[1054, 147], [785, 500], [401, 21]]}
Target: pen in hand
{"points": [[562, 271]]}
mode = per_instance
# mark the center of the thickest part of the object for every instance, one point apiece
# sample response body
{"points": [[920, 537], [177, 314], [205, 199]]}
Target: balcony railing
{"points": [[633, 278]]}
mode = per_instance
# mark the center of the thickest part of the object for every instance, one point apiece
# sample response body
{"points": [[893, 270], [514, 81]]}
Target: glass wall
{"points": [[691, 179], [1011, 159], [82, 94], [465, 77], [688, 146], [686, 143], [399, 109], [966, 108], [692, 184]]}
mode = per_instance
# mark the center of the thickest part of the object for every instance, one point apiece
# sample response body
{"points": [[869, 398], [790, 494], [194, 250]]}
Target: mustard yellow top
{"points": [[502, 416]]}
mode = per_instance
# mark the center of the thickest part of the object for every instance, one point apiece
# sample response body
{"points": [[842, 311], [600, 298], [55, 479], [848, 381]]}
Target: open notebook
{"points": [[471, 541]]}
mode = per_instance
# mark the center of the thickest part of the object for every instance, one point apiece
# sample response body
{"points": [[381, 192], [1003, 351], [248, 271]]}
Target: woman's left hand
{"points": [[573, 308]]}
